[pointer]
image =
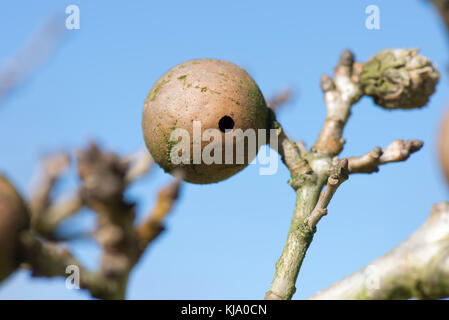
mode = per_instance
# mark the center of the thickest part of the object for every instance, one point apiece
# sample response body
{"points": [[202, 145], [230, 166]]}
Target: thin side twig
{"points": [[398, 150], [340, 94], [152, 226], [339, 174], [17, 68], [48, 175], [140, 163], [280, 99]]}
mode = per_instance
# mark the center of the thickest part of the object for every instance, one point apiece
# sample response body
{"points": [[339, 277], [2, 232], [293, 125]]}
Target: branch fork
{"points": [[319, 168], [104, 179]]}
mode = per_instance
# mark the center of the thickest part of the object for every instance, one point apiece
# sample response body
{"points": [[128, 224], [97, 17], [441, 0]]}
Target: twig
{"points": [[398, 150], [49, 214], [276, 102], [60, 210], [303, 228], [49, 173], [339, 174], [153, 226], [291, 153], [105, 177], [48, 260], [36, 50], [140, 163], [417, 268], [311, 170], [340, 94]]}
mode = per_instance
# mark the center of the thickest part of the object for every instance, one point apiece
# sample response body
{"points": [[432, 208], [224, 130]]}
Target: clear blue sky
{"points": [[223, 240]]}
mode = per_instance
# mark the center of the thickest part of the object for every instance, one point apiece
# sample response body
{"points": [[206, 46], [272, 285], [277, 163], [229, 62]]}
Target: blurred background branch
{"points": [[42, 43], [105, 176]]}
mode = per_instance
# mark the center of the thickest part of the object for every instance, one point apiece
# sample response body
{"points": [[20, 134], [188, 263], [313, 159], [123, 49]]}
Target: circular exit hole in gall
{"points": [[226, 123]]}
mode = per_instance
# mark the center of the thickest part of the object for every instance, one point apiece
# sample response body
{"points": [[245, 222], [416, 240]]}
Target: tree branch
{"points": [[277, 101], [58, 211], [48, 214], [47, 177], [314, 169], [105, 177], [339, 174], [340, 94], [310, 172], [290, 153], [398, 150], [152, 227], [139, 164], [45, 259], [417, 268], [33, 54]]}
